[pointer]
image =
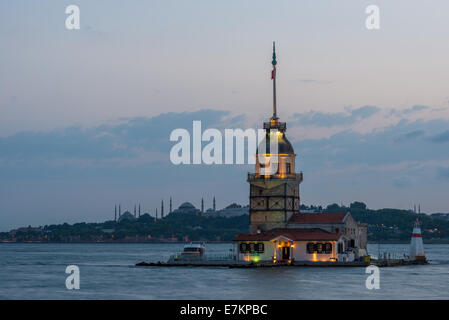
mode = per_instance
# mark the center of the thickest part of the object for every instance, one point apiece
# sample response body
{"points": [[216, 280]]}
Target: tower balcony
{"points": [[284, 176], [275, 124]]}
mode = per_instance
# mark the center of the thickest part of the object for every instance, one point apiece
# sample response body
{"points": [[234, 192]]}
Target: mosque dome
{"points": [[186, 206], [126, 216]]}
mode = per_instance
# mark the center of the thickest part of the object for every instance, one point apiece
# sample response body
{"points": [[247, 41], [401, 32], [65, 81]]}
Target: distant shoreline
{"points": [[440, 241], [111, 242], [181, 242]]}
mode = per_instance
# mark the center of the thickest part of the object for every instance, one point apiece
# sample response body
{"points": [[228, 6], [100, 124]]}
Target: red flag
{"points": [[273, 74]]}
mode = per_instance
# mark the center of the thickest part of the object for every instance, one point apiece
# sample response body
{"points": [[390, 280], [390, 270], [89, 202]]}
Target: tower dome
{"points": [[284, 146]]}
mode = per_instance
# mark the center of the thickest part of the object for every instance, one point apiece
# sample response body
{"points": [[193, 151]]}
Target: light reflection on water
{"points": [[37, 271]]}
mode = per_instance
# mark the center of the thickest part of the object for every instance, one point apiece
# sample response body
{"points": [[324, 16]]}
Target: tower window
{"points": [[289, 168]]}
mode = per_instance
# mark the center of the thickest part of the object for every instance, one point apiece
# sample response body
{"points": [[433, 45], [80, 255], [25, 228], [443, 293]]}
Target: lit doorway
{"points": [[285, 253]]}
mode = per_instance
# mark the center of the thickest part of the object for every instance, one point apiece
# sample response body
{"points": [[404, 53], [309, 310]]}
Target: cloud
{"points": [[402, 182], [415, 108], [443, 173], [144, 142], [122, 140], [114, 150], [408, 111], [442, 137], [364, 112], [320, 119], [376, 148], [412, 135]]}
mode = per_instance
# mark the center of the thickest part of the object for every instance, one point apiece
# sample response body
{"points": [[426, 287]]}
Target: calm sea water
{"points": [[107, 271]]}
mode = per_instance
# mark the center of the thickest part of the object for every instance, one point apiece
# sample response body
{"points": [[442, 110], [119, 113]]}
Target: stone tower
{"points": [[274, 196]]}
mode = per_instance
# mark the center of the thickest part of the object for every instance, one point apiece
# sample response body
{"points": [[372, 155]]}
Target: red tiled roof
{"points": [[293, 234], [317, 218]]}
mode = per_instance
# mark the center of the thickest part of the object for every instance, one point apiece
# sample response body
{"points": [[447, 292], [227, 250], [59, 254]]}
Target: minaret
{"points": [[135, 212], [171, 208], [416, 244], [156, 213], [213, 205], [162, 209], [139, 210], [274, 188], [119, 210], [115, 213], [202, 205]]}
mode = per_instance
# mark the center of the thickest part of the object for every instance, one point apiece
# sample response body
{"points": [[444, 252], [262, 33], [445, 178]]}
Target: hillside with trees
{"points": [[394, 224], [383, 225]]}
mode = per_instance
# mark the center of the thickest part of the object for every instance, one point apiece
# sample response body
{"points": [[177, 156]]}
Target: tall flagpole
{"points": [[273, 76]]}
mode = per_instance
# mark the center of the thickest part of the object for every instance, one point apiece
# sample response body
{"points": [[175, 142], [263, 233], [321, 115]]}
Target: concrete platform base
{"points": [[240, 264]]}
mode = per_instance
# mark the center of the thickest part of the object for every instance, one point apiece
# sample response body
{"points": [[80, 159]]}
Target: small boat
{"points": [[192, 252], [194, 249]]}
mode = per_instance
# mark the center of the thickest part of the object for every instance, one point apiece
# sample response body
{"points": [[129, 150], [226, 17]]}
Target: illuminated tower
{"points": [[274, 196]]}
